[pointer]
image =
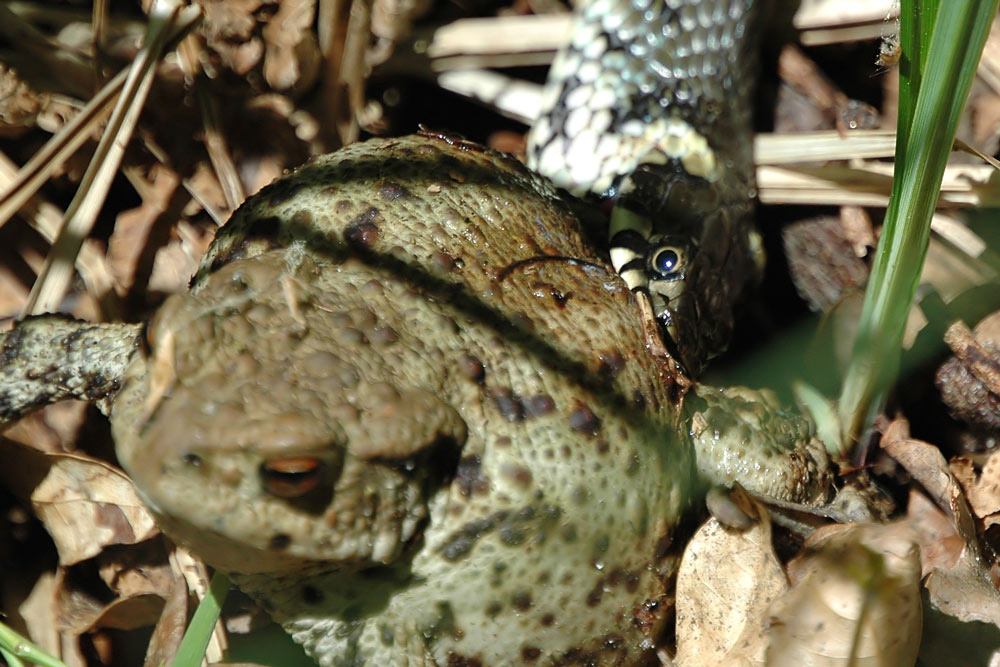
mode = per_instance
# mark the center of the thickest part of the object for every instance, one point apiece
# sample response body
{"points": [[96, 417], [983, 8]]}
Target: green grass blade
{"points": [[949, 58], [11, 659], [16, 648], [910, 69], [192, 648]]}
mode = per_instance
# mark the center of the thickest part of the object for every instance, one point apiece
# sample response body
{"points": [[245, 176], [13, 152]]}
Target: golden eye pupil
{"points": [[290, 477]]}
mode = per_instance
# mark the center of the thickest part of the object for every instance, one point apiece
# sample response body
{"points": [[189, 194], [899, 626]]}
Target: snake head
{"points": [[688, 245]]}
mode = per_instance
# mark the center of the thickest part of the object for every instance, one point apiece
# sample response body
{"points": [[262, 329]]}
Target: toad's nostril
{"points": [[291, 477], [192, 459]]}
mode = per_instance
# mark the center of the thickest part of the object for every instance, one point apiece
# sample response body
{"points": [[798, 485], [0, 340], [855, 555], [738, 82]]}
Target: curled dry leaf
{"points": [[927, 465], [62, 606], [982, 487], [856, 593], [129, 613], [291, 56], [137, 569], [957, 581], [170, 627], [86, 505], [940, 544], [726, 582], [230, 29], [134, 241], [38, 612], [52, 429], [965, 590], [81, 607], [19, 104], [855, 600]]}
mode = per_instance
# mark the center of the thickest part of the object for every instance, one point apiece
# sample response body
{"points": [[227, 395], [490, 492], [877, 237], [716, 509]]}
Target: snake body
{"points": [[649, 103]]}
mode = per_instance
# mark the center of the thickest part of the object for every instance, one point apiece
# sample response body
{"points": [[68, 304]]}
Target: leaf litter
{"points": [[255, 89]]}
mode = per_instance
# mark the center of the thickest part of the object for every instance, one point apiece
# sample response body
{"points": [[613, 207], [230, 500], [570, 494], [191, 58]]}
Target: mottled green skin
{"points": [[503, 471]]}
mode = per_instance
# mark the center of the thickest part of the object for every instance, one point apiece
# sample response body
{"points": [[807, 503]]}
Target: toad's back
{"points": [[408, 400]]}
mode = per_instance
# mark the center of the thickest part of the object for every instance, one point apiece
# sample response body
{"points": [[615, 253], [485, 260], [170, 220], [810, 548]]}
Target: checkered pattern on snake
{"points": [[649, 103]]}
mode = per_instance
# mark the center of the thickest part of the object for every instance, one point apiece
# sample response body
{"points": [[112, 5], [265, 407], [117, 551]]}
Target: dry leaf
{"points": [[393, 19], [940, 543], [86, 504], [925, 462], [82, 605], [855, 594], [291, 57], [137, 569], [965, 590], [177, 261], [130, 613], [170, 627], [230, 29], [983, 488], [135, 230], [52, 429], [42, 614], [39, 613], [726, 581]]}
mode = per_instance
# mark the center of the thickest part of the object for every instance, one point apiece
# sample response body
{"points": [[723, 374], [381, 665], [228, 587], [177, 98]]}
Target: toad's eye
{"points": [[291, 477], [668, 261]]}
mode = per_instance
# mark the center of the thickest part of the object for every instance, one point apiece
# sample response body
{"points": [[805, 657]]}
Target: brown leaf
{"points": [[230, 30], [177, 261], [130, 613], [86, 504], [291, 56], [51, 429], [137, 233], [925, 462], [170, 627], [963, 590], [393, 19], [958, 582], [39, 613], [24, 467], [982, 488], [726, 581], [856, 593], [82, 605], [137, 569], [940, 544]]}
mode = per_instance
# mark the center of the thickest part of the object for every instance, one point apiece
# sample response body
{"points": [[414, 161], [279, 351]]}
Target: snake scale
{"points": [[649, 104], [409, 406]]}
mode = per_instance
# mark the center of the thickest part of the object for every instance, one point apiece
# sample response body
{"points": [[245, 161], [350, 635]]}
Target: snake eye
{"points": [[291, 477], [668, 261]]}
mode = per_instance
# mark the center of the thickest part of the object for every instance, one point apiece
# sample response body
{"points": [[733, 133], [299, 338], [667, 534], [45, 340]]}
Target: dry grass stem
{"points": [[45, 219], [57, 150], [511, 97], [867, 184], [168, 20]]}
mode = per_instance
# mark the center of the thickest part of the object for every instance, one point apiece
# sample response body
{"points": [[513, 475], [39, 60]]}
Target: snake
{"points": [[415, 442], [649, 106]]}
